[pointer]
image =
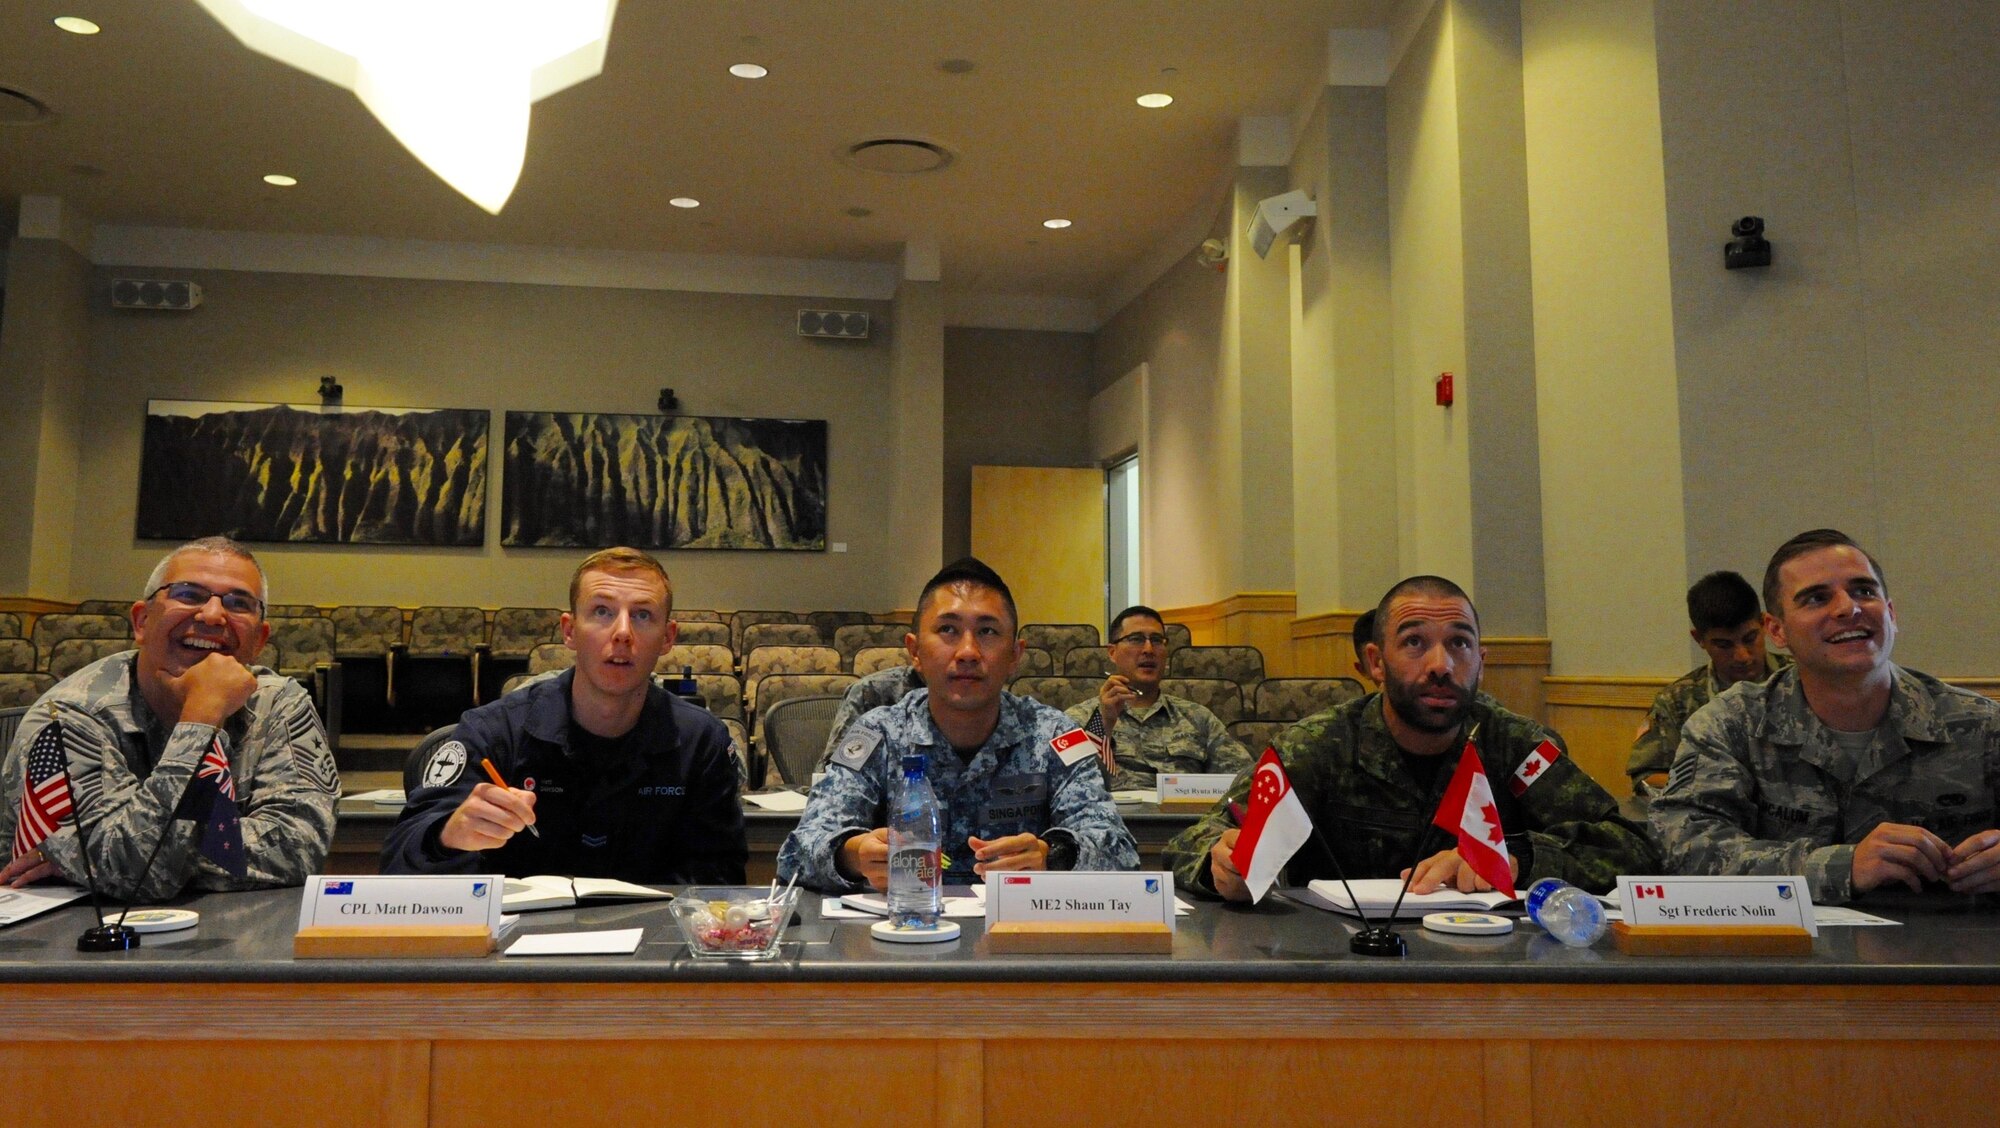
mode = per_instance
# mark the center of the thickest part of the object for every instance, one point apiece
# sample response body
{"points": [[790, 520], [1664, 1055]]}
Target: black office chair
{"points": [[10, 723], [449, 769], [794, 733]]}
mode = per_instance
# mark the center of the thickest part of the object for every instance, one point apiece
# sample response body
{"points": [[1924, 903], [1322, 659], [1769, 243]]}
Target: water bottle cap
{"points": [[1540, 892], [915, 764]]}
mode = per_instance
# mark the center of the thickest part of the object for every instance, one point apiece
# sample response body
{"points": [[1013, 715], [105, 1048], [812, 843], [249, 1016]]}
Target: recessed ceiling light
{"points": [[281, 180], [685, 202], [77, 25], [1156, 101], [748, 70], [1056, 224]]}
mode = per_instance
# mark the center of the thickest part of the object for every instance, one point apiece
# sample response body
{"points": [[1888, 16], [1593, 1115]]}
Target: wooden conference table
{"points": [[1258, 1017]]}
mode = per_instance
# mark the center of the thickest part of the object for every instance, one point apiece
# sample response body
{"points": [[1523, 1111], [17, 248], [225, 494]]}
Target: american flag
{"points": [[211, 801], [1095, 727], [45, 799]]}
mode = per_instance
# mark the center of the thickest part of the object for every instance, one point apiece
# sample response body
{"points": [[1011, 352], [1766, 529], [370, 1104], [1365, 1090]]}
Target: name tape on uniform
{"points": [[1717, 902], [1193, 787], [355, 902], [1078, 898]]}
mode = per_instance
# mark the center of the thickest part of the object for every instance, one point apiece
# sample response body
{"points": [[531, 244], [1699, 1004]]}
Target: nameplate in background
{"points": [[1192, 789], [1711, 902], [362, 902]]}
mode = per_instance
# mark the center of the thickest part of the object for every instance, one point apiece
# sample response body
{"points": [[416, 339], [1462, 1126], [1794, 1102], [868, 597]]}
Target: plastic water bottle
{"points": [[916, 885], [686, 687], [1565, 912]]}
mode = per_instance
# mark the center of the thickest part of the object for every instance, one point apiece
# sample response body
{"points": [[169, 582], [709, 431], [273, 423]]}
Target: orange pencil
{"points": [[493, 774]]}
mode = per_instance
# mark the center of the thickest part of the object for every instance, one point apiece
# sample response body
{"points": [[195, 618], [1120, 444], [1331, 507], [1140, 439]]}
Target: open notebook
{"points": [[526, 894], [1378, 894]]}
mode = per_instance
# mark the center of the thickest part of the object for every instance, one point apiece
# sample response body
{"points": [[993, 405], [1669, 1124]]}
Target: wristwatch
{"points": [[1062, 851]]}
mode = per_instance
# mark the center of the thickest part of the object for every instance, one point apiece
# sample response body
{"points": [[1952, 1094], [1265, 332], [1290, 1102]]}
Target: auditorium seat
{"points": [[853, 639], [363, 638], [703, 658], [437, 672], [698, 615], [1059, 638], [516, 633], [17, 656], [1257, 735], [1058, 693], [740, 620], [1178, 636], [549, 658], [293, 611], [307, 649], [1035, 663], [59, 625], [105, 607], [23, 689], [699, 633], [1220, 696], [1243, 665], [872, 659], [779, 634], [1294, 699], [767, 660], [828, 623], [1088, 662], [73, 654], [10, 625]]}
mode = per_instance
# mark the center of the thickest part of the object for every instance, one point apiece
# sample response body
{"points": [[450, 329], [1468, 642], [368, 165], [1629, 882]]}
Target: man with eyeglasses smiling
{"points": [[136, 725], [1141, 731]]}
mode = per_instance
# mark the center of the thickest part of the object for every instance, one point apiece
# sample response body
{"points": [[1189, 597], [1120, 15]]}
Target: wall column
{"points": [[916, 404]]}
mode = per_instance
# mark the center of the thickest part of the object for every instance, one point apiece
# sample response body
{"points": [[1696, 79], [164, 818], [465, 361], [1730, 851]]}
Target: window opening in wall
{"points": [[1121, 536]]}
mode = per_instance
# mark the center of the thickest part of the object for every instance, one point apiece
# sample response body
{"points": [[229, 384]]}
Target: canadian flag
{"points": [[1534, 767], [1468, 811], [1273, 829]]}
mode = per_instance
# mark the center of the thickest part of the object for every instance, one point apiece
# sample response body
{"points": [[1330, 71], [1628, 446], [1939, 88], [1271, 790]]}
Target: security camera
{"points": [[1276, 214], [1749, 248]]}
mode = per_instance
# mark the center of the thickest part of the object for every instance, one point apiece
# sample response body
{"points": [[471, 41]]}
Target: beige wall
{"points": [[1852, 381], [401, 342], [1255, 523], [44, 358], [1011, 398], [1604, 344]]}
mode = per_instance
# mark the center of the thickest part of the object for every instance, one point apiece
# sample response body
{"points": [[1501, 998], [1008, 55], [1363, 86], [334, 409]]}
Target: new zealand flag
{"points": [[211, 801]]}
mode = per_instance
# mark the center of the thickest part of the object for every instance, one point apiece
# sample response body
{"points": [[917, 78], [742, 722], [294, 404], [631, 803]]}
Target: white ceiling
{"points": [[165, 120]]}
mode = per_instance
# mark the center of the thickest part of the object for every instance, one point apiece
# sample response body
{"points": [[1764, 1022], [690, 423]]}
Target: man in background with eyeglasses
{"points": [[1141, 731], [135, 727]]}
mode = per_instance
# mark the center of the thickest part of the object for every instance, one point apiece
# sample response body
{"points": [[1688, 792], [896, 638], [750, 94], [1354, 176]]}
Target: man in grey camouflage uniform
{"points": [[1846, 768], [135, 726], [1018, 783], [883, 687], [1371, 773], [1141, 731], [1724, 621]]}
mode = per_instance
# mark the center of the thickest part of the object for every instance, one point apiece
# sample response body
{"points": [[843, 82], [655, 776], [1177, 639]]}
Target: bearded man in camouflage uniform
{"points": [[1724, 621], [1141, 731], [136, 725], [1846, 768], [1372, 772]]}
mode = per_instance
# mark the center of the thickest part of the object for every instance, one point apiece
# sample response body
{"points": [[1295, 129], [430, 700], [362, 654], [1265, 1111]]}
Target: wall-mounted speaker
{"points": [[845, 324], [153, 293]]}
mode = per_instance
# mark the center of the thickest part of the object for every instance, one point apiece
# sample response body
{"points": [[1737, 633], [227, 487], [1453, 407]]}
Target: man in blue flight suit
{"points": [[606, 773], [1018, 782]]}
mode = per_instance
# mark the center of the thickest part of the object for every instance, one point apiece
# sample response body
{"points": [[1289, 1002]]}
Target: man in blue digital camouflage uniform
{"points": [[1018, 783]]}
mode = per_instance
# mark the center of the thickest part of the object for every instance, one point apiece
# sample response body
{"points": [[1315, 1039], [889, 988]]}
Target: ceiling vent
{"points": [[846, 324], [154, 293], [902, 156]]}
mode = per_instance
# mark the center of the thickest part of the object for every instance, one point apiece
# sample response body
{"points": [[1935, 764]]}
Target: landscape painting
{"points": [[579, 480], [307, 474]]}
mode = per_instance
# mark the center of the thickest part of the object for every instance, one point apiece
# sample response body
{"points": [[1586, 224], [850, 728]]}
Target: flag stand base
{"points": [[1378, 941], [107, 938]]}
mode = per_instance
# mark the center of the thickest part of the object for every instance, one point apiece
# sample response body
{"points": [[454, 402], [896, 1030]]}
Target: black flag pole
{"points": [[104, 937], [1416, 856]]}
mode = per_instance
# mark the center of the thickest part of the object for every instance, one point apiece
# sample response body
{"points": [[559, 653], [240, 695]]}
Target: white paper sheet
{"points": [[614, 942], [34, 900], [778, 801]]}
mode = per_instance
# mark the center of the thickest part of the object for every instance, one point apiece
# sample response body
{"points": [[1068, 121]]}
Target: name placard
{"points": [[1055, 897], [375, 902], [1716, 903], [1192, 787]]}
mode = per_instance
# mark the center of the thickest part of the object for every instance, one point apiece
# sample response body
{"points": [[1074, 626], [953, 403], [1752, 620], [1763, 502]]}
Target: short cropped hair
{"points": [[214, 546], [966, 570], [1425, 585], [619, 559], [1721, 601], [1812, 540], [1364, 633], [1137, 610]]}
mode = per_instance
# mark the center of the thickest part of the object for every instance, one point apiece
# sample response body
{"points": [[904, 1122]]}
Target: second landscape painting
{"points": [[577, 479]]}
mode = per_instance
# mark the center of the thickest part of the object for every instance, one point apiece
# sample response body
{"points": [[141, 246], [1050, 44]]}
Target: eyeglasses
{"points": [[1138, 638], [190, 594]]}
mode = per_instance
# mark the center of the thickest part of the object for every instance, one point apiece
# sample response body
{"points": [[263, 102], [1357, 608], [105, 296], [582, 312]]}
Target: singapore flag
{"points": [[1273, 830]]}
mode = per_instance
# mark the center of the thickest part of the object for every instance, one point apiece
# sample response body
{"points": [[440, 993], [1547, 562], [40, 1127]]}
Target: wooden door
{"points": [[1042, 529]]}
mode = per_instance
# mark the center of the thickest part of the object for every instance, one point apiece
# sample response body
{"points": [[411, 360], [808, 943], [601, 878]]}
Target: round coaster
{"points": [[1468, 924], [887, 930], [159, 920]]}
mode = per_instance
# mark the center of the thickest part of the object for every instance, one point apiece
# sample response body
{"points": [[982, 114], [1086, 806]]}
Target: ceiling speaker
{"points": [[846, 324], [153, 293]]}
